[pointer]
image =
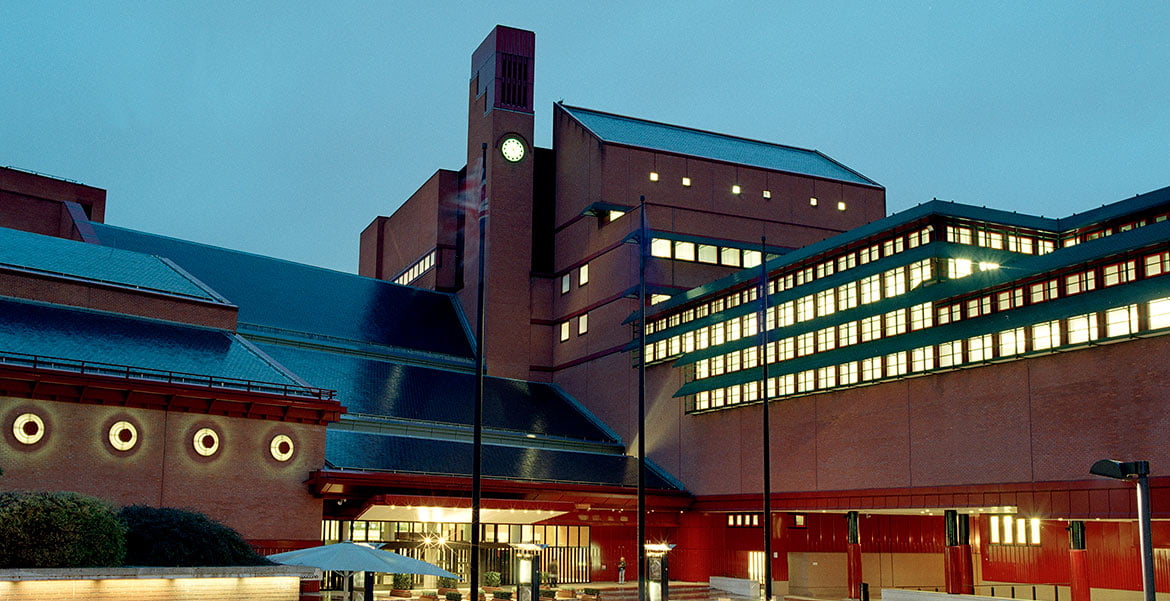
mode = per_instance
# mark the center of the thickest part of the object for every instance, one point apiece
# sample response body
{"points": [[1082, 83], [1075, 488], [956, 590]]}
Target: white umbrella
{"points": [[354, 557]]}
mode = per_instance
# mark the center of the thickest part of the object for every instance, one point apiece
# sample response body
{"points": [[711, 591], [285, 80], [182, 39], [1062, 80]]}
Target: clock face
{"points": [[512, 149]]}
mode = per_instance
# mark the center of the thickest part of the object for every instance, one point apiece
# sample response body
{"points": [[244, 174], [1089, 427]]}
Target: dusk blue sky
{"points": [[284, 128]]}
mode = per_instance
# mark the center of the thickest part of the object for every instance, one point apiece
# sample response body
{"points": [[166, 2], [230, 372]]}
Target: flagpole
{"points": [[642, 244], [480, 367], [762, 327]]}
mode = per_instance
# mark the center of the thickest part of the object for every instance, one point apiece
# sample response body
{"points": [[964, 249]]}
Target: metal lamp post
{"points": [[1140, 471]]}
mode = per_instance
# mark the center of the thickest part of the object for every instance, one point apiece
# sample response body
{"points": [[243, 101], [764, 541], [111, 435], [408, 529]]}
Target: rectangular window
{"points": [[871, 328], [566, 281], [978, 306], [583, 327], [920, 273], [921, 316], [1019, 244], [896, 364], [684, 251], [847, 333], [871, 369], [896, 322], [958, 268], [660, 247], [922, 359], [806, 381], [948, 314], [1045, 335], [1159, 313], [1044, 291], [958, 235], [734, 359], [1011, 342], [1121, 321], [848, 373], [786, 314], [895, 282], [708, 253], [827, 377], [826, 302], [979, 348], [804, 344], [871, 289], [583, 275], [729, 256], [1082, 328], [847, 296], [1157, 264], [826, 339], [751, 258], [565, 333], [1080, 282], [786, 348], [950, 353], [1009, 299], [1119, 273], [804, 308], [990, 239]]}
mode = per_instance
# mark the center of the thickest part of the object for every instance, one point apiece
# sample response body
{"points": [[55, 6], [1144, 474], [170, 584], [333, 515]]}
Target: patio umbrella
{"points": [[354, 557]]}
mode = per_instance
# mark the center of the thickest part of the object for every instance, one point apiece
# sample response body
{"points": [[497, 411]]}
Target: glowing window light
{"points": [[686, 181], [1035, 540], [1022, 531], [767, 194], [28, 428], [735, 189], [1007, 530], [812, 201], [987, 266], [653, 176], [994, 523], [123, 436], [840, 206]]}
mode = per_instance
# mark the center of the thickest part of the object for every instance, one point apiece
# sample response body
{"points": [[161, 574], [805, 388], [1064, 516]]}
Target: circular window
{"points": [[281, 447], [206, 442], [28, 428], [123, 436]]}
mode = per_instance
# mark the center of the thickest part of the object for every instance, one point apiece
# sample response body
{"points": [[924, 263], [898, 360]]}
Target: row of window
{"points": [[1011, 530], [737, 190], [567, 326], [419, 267], [796, 277], [1000, 240], [1078, 329], [29, 429], [1093, 234], [384, 532], [582, 279], [680, 250]]}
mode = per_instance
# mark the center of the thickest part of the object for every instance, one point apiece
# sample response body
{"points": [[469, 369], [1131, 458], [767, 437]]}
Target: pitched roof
{"points": [[629, 131], [58, 256], [275, 293]]}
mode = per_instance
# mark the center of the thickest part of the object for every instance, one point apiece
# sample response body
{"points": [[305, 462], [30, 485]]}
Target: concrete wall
{"points": [[276, 583]]}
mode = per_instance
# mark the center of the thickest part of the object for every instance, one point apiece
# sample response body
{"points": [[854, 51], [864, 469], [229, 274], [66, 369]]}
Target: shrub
{"points": [[548, 593], [454, 596], [163, 536], [491, 579], [403, 582], [447, 582], [59, 530], [502, 595], [592, 591]]}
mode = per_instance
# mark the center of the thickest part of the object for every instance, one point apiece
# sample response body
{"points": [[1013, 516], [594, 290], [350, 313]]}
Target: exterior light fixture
{"points": [[653, 176], [735, 189], [281, 447], [206, 442], [686, 181], [840, 205], [767, 194], [123, 436], [1139, 471], [28, 428], [812, 201]]}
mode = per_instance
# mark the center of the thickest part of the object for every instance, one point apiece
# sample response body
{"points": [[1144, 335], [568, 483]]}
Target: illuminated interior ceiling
{"points": [[1001, 509], [457, 515]]}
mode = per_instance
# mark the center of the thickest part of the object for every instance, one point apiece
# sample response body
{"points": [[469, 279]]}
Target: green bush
{"points": [[454, 596], [592, 591], [162, 536], [491, 579], [548, 593], [502, 595], [447, 582], [59, 530], [403, 582]]}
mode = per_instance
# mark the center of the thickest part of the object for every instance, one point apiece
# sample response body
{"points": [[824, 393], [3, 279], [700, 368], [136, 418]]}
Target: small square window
{"points": [[812, 201], [767, 194], [583, 324], [840, 206], [583, 275], [736, 189], [653, 176], [566, 280], [564, 331], [686, 181]]}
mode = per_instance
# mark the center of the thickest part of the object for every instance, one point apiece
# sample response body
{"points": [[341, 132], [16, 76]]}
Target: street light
{"points": [[1139, 470]]}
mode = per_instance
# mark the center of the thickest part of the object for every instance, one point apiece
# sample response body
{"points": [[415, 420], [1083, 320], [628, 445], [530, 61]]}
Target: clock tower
{"points": [[500, 115]]}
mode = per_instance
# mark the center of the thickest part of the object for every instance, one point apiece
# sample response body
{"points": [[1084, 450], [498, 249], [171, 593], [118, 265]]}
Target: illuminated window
{"points": [[826, 339], [566, 282], [979, 348], [206, 442], [840, 206], [812, 201], [583, 275], [730, 256], [735, 189], [950, 353], [959, 268], [281, 447], [1082, 328], [847, 333], [871, 328], [684, 251], [658, 298], [1044, 291], [1045, 335], [583, 326], [805, 308], [708, 253], [564, 331], [871, 289], [767, 194], [1080, 282], [686, 181], [826, 302], [922, 359], [959, 235], [827, 377], [28, 428], [1121, 321], [660, 247], [653, 176], [1159, 313], [847, 296], [751, 258], [1011, 342], [921, 316], [896, 364], [1119, 273], [615, 215], [123, 436], [1158, 264], [871, 368], [848, 373]]}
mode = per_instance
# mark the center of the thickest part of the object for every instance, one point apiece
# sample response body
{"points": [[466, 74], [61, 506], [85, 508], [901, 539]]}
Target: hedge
{"points": [[59, 530], [163, 536]]}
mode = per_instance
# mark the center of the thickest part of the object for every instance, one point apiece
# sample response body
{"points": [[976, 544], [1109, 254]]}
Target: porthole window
{"points": [[281, 447], [123, 436], [28, 428], [206, 442]]}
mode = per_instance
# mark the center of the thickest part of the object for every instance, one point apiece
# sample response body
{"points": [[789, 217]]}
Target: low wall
{"points": [[742, 587], [254, 583]]}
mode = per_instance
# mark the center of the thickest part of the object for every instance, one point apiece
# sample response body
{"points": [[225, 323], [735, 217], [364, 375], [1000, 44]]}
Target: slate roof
{"points": [[290, 296], [629, 131], [384, 388], [31, 328], [361, 450], [58, 256]]}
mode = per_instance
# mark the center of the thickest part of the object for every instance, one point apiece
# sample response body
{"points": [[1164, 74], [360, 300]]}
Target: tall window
{"points": [[583, 275]]}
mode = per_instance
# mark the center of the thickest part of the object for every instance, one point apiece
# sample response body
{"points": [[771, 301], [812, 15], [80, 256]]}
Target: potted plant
{"points": [[401, 586], [547, 593], [447, 585], [590, 594], [502, 595], [428, 596], [454, 596], [491, 582]]}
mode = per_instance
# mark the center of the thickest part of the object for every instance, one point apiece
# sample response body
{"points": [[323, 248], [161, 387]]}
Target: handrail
{"points": [[129, 372], [1007, 590]]}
